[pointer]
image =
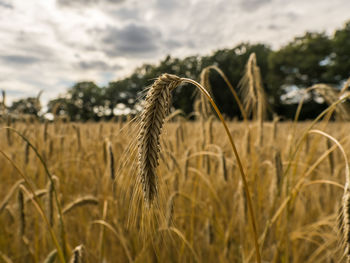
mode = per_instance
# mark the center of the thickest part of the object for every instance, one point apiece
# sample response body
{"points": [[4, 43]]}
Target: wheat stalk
{"points": [[26, 153], [51, 148], [78, 255], [8, 132], [102, 232], [6, 199], [85, 200], [209, 232], [45, 130], [186, 164], [77, 130], [5, 258], [278, 171], [51, 257], [3, 103], [223, 165], [49, 202], [275, 127], [205, 82], [38, 193], [170, 209], [330, 157], [21, 212]]}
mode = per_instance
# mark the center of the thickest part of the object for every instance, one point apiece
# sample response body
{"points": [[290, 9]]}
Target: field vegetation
{"points": [[191, 191]]}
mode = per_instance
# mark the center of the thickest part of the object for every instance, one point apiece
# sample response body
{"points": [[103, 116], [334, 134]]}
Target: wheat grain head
{"points": [[152, 119]]}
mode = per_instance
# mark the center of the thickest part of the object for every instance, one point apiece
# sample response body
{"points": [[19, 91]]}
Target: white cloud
{"points": [[50, 44]]}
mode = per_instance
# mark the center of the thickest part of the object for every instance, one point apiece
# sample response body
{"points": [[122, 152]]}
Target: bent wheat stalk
{"points": [[78, 255], [85, 200], [152, 119], [13, 189], [228, 83]]}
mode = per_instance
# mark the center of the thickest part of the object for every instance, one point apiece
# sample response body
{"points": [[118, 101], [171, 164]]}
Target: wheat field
{"points": [[200, 211], [166, 187]]}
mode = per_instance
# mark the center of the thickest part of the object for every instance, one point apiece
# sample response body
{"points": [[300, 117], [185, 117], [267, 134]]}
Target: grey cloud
{"points": [[167, 5], [292, 16], [83, 3], [125, 13], [6, 5], [251, 5], [134, 40], [27, 43], [97, 65], [19, 59], [172, 44], [274, 27]]}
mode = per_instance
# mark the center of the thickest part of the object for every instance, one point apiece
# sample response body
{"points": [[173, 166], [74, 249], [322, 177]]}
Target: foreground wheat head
{"points": [[152, 119]]}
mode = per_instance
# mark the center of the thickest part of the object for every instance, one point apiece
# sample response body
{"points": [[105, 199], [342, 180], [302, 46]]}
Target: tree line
{"points": [[312, 58]]}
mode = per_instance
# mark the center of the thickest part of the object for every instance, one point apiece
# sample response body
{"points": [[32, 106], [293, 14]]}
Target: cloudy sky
{"points": [[51, 44]]}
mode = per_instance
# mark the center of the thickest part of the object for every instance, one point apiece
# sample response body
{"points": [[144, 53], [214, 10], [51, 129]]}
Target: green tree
{"points": [[30, 106], [340, 57], [302, 63], [232, 62], [82, 102]]}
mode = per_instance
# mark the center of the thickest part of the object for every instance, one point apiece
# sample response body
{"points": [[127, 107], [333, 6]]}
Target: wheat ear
{"points": [[152, 119], [331, 95], [85, 200], [111, 160], [205, 111]]}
